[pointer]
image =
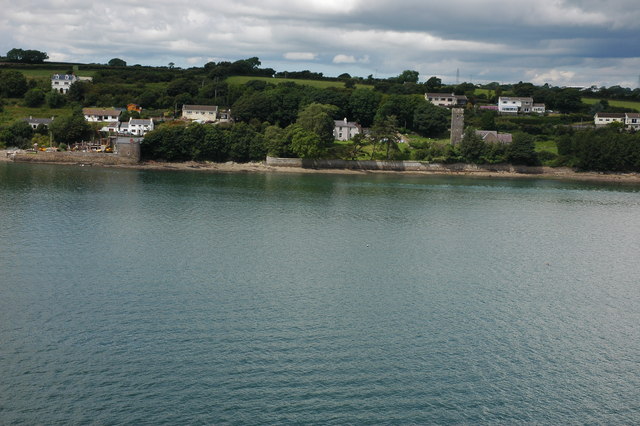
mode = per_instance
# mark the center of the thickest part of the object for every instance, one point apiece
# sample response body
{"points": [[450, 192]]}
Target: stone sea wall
{"points": [[97, 158], [400, 166]]}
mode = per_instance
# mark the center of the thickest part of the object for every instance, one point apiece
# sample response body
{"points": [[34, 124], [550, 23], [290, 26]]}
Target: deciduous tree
{"points": [[318, 118]]}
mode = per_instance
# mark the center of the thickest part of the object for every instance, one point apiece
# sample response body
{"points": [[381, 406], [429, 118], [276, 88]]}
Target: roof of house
{"points": [[344, 123], [100, 111], [501, 137], [539, 105], [445, 95], [515, 98], [632, 115], [200, 107], [140, 121], [32, 120], [610, 114], [63, 77]]}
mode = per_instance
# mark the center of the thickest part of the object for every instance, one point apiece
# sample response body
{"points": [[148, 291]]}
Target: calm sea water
{"points": [[150, 297]]}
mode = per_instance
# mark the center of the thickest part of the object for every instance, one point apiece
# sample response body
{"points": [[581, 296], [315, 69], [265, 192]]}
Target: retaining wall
{"points": [[400, 166], [73, 158]]}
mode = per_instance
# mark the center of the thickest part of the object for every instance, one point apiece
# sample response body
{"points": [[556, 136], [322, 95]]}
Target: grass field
{"points": [[45, 74], [622, 104], [238, 80], [13, 112]]}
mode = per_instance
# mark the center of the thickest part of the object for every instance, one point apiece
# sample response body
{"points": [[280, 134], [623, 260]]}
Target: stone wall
{"points": [[73, 158], [400, 166]]}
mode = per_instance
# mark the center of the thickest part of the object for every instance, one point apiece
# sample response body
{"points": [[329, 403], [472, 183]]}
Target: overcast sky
{"points": [[560, 42]]}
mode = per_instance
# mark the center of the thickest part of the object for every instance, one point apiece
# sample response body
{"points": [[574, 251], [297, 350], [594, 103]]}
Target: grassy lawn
{"points": [[614, 103], [239, 80], [549, 146], [412, 137]]}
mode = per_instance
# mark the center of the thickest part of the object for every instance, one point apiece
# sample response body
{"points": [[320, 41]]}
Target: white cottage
{"points": [[344, 130]]}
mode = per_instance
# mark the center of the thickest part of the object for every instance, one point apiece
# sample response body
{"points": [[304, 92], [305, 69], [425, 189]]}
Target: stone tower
{"points": [[457, 125]]}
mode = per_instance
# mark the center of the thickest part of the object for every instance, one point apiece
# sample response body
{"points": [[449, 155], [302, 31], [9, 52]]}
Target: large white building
{"points": [[200, 112], [511, 105], [62, 82]]}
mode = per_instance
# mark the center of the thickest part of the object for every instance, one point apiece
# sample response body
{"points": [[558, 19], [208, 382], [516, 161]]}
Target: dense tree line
{"points": [[28, 56], [289, 119], [604, 149]]}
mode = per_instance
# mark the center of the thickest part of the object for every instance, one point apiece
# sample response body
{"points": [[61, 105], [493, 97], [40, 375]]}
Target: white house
{"points": [[446, 99], [632, 120], [100, 114], [140, 126], [603, 118], [538, 108], [111, 127], [134, 127], [344, 130], [521, 105], [35, 122], [200, 112], [62, 82]]}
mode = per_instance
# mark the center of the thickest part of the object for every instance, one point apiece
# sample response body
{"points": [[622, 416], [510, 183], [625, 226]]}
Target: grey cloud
{"points": [[491, 39]]}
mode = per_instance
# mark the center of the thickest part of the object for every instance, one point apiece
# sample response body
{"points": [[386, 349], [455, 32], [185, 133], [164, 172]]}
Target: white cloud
{"points": [[344, 59], [553, 77], [350, 59], [300, 56]]}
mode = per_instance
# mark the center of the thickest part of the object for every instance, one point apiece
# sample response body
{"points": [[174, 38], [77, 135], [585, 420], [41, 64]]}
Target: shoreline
{"points": [[262, 167], [561, 173]]}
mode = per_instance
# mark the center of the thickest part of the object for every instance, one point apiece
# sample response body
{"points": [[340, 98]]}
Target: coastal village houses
{"points": [[133, 127], [448, 100], [109, 116], [344, 130], [630, 120]]}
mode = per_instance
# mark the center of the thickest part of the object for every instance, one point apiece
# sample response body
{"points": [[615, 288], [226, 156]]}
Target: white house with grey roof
{"points": [[133, 127], [35, 122], [201, 113], [100, 114], [632, 120], [344, 130], [140, 126], [62, 82], [448, 100], [519, 105]]}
